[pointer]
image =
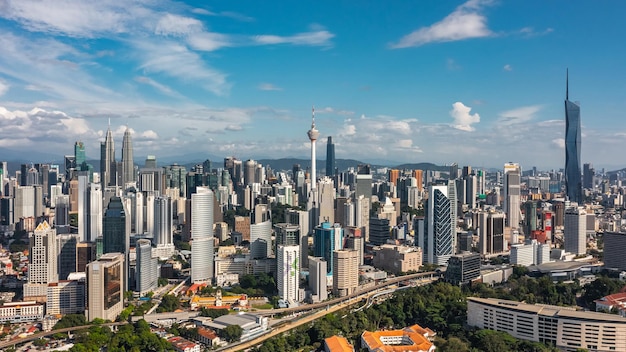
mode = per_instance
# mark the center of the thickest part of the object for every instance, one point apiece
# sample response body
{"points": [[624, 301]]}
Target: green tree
{"points": [[169, 303], [162, 281], [600, 287], [232, 333]]}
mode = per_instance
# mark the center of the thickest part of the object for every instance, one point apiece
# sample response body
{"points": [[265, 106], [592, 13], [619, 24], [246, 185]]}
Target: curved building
{"points": [[202, 235], [573, 184]]}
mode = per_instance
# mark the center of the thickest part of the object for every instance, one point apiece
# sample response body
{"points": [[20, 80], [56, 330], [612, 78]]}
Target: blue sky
{"points": [[479, 82]]}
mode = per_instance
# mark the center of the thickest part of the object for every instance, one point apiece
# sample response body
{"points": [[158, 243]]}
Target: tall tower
{"points": [[128, 166], [439, 243], [202, 235], [42, 261], [313, 135], [573, 186], [330, 157], [107, 160], [511, 196], [79, 154], [115, 229]]}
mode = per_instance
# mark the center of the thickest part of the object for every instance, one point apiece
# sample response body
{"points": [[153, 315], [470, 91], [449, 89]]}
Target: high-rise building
{"points": [[326, 239], [287, 234], [260, 232], [313, 134], [85, 254], [42, 261], [326, 202], [146, 273], [345, 272], [573, 186], [105, 287], [116, 232], [438, 239], [108, 174], [317, 279], [94, 210], [288, 272], [330, 157], [301, 219], [574, 231], [511, 196], [249, 168], [65, 297], [128, 165], [380, 231], [202, 252], [66, 254], [79, 154], [490, 228], [163, 233], [355, 241], [588, 174]]}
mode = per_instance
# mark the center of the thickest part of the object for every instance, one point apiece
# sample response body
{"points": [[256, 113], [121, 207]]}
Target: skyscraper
{"points": [[573, 186], [313, 135], [202, 235], [288, 272], [511, 198], [146, 273], [439, 243], [79, 154], [330, 157], [128, 166], [107, 160], [105, 286], [574, 231], [115, 232], [42, 261]]}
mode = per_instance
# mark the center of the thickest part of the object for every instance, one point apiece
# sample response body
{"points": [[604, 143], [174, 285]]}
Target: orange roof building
{"points": [[410, 339], [337, 344]]}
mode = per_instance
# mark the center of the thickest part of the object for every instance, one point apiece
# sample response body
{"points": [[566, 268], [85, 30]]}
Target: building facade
{"points": [[573, 184], [105, 287]]}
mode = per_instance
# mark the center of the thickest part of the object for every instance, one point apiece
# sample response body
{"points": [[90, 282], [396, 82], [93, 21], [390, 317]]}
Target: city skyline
{"points": [[391, 84]]}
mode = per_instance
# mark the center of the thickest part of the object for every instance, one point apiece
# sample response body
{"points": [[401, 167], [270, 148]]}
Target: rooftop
{"points": [[338, 344], [412, 338]]}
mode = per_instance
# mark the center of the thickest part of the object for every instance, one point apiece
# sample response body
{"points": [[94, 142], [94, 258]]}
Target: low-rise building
{"points": [[183, 345], [337, 344], [397, 259], [20, 312], [565, 328], [413, 338], [251, 324], [463, 268], [609, 303], [208, 337]]}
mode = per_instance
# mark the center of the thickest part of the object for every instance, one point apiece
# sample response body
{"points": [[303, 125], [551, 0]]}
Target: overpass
{"points": [[5, 344]]}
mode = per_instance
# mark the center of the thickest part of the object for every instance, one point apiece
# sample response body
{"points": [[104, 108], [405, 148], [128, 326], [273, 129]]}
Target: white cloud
{"points": [[4, 87], [149, 134], [518, 115], [465, 22], [507, 67], [176, 25], [559, 142], [268, 86], [463, 119], [316, 37], [160, 87]]}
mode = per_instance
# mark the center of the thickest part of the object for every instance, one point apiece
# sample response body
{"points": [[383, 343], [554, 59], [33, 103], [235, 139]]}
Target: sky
{"points": [[480, 82]]}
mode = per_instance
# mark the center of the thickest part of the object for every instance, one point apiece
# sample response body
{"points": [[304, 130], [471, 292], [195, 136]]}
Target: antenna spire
{"points": [[313, 116], [567, 84]]}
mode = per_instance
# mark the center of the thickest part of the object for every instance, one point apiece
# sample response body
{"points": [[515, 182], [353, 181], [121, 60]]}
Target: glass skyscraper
{"points": [[573, 185], [330, 157]]}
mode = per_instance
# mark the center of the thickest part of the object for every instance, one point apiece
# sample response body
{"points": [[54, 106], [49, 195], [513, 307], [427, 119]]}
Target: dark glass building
{"points": [[115, 238], [573, 184], [330, 157]]}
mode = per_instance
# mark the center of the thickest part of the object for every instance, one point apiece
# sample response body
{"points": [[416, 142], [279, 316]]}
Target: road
{"points": [[343, 302], [5, 344]]}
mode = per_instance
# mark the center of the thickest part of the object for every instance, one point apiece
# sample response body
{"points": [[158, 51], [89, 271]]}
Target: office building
{"points": [[116, 229], [105, 287], [573, 185], [438, 239], [463, 268], [65, 297], [260, 232], [355, 241], [42, 262], [108, 166], [511, 195], [565, 328], [94, 212], [326, 201], [85, 254], [146, 273], [330, 157], [588, 174], [163, 227], [397, 259], [380, 231], [202, 252], [326, 239], [317, 279], [490, 229], [345, 272], [533, 253], [574, 232], [66, 254], [288, 272], [301, 219], [614, 249]]}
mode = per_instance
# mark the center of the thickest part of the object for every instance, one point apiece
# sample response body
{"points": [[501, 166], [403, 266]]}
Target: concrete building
{"points": [[65, 297], [288, 272], [252, 325], [261, 232], [202, 252], [463, 268], [146, 277], [614, 249], [105, 287], [490, 228], [21, 312], [397, 259], [345, 272], [529, 254], [317, 279], [412, 338], [438, 237], [42, 262], [574, 232], [326, 239], [511, 196], [565, 328]]}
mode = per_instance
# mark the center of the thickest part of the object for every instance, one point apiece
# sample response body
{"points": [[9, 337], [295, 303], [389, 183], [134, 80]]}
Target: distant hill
{"points": [[423, 166], [287, 163]]}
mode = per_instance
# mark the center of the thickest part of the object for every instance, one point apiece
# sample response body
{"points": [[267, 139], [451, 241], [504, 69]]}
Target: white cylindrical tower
{"points": [[313, 135]]}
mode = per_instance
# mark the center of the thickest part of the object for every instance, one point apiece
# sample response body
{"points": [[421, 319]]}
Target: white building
{"points": [[574, 232], [146, 269], [65, 297], [202, 255], [511, 197], [317, 279], [529, 254], [105, 287], [288, 272], [42, 264]]}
